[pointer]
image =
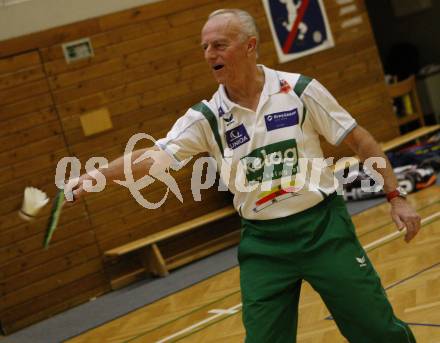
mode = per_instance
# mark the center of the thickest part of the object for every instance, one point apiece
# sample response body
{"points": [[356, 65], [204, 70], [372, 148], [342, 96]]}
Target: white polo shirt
{"points": [[272, 154]]}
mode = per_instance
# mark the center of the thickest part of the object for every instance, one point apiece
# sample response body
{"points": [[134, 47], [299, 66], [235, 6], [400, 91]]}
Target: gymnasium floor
{"points": [[210, 311]]}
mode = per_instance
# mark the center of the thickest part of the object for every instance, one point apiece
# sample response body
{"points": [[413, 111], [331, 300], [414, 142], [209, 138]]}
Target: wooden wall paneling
{"points": [[49, 37], [21, 138], [209, 232], [29, 234], [31, 165], [154, 220], [27, 121], [106, 206], [18, 63], [104, 83], [173, 213], [29, 74], [19, 92], [61, 299], [10, 219], [144, 118], [40, 102], [151, 11], [57, 265], [22, 153], [42, 179], [31, 142], [49, 284], [35, 242], [94, 71]]}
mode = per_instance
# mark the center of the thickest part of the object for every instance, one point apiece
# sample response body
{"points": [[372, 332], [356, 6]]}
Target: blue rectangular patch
{"points": [[236, 136], [279, 120]]}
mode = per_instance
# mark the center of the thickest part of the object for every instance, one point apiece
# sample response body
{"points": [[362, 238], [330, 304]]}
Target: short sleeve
{"points": [[328, 118], [186, 138]]}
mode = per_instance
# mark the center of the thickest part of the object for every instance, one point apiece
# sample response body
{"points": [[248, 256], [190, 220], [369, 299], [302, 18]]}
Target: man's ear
{"points": [[252, 45]]}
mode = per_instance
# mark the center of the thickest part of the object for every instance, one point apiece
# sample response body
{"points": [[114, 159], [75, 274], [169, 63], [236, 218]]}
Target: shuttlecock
{"points": [[33, 201]]}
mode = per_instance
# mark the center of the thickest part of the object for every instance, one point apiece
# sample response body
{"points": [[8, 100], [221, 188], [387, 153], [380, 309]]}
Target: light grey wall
{"points": [[421, 29], [20, 17]]}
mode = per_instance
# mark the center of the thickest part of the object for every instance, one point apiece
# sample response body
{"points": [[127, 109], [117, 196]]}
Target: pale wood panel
{"points": [[27, 121], [21, 138], [40, 102], [24, 74], [46, 38], [31, 143], [32, 165], [50, 283], [19, 62], [59, 300], [56, 265], [25, 91], [147, 12]]}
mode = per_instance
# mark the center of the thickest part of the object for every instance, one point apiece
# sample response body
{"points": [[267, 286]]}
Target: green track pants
{"points": [[319, 246]]}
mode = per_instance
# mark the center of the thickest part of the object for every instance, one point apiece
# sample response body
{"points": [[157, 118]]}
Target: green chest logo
{"points": [[272, 161]]}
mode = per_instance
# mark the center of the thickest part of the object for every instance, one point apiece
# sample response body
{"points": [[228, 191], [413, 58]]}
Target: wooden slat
{"points": [[49, 37], [50, 283], [32, 165], [410, 136], [147, 12], [75, 293], [21, 76], [37, 133], [27, 121], [178, 229], [41, 147], [52, 267], [34, 243], [24, 91], [40, 102], [18, 62], [198, 252], [78, 240]]}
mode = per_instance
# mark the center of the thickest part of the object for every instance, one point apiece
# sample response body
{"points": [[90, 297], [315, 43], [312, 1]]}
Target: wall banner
{"points": [[299, 27]]}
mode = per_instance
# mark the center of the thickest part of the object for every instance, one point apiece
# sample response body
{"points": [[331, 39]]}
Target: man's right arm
{"points": [[115, 170]]}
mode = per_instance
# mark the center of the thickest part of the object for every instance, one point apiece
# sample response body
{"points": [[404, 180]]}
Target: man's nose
{"points": [[209, 53]]}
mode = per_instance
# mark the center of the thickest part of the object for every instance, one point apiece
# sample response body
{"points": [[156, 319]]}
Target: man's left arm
{"points": [[364, 146]]}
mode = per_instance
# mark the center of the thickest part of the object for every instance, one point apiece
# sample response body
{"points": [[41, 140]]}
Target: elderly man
{"points": [[266, 121]]}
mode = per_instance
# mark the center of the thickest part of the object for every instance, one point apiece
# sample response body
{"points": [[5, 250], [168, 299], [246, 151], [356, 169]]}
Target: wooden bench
{"points": [[398, 141], [151, 256]]}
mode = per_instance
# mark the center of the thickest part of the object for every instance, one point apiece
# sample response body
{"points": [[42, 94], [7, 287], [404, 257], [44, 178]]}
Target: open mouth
{"points": [[218, 66]]}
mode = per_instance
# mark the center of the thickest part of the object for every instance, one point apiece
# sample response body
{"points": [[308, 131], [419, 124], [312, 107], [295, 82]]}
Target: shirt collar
{"points": [[272, 85]]}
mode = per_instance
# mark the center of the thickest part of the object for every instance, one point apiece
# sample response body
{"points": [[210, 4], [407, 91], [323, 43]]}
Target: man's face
{"points": [[225, 49]]}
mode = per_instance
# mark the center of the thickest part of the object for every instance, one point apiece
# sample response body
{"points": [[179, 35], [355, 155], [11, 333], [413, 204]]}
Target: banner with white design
{"points": [[299, 27]]}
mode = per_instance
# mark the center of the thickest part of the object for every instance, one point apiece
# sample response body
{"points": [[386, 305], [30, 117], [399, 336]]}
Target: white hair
{"points": [[248, 25]]}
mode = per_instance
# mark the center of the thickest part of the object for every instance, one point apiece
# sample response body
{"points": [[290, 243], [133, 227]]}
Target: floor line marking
{"points": [[198, 324]]}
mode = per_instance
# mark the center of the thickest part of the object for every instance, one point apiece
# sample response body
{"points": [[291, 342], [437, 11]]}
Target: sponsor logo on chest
{"points": [[279, 120], [236, 136], [272, 161]]}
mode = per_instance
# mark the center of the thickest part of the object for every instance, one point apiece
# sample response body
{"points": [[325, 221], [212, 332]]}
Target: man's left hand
{"points": [[404, 215]]}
